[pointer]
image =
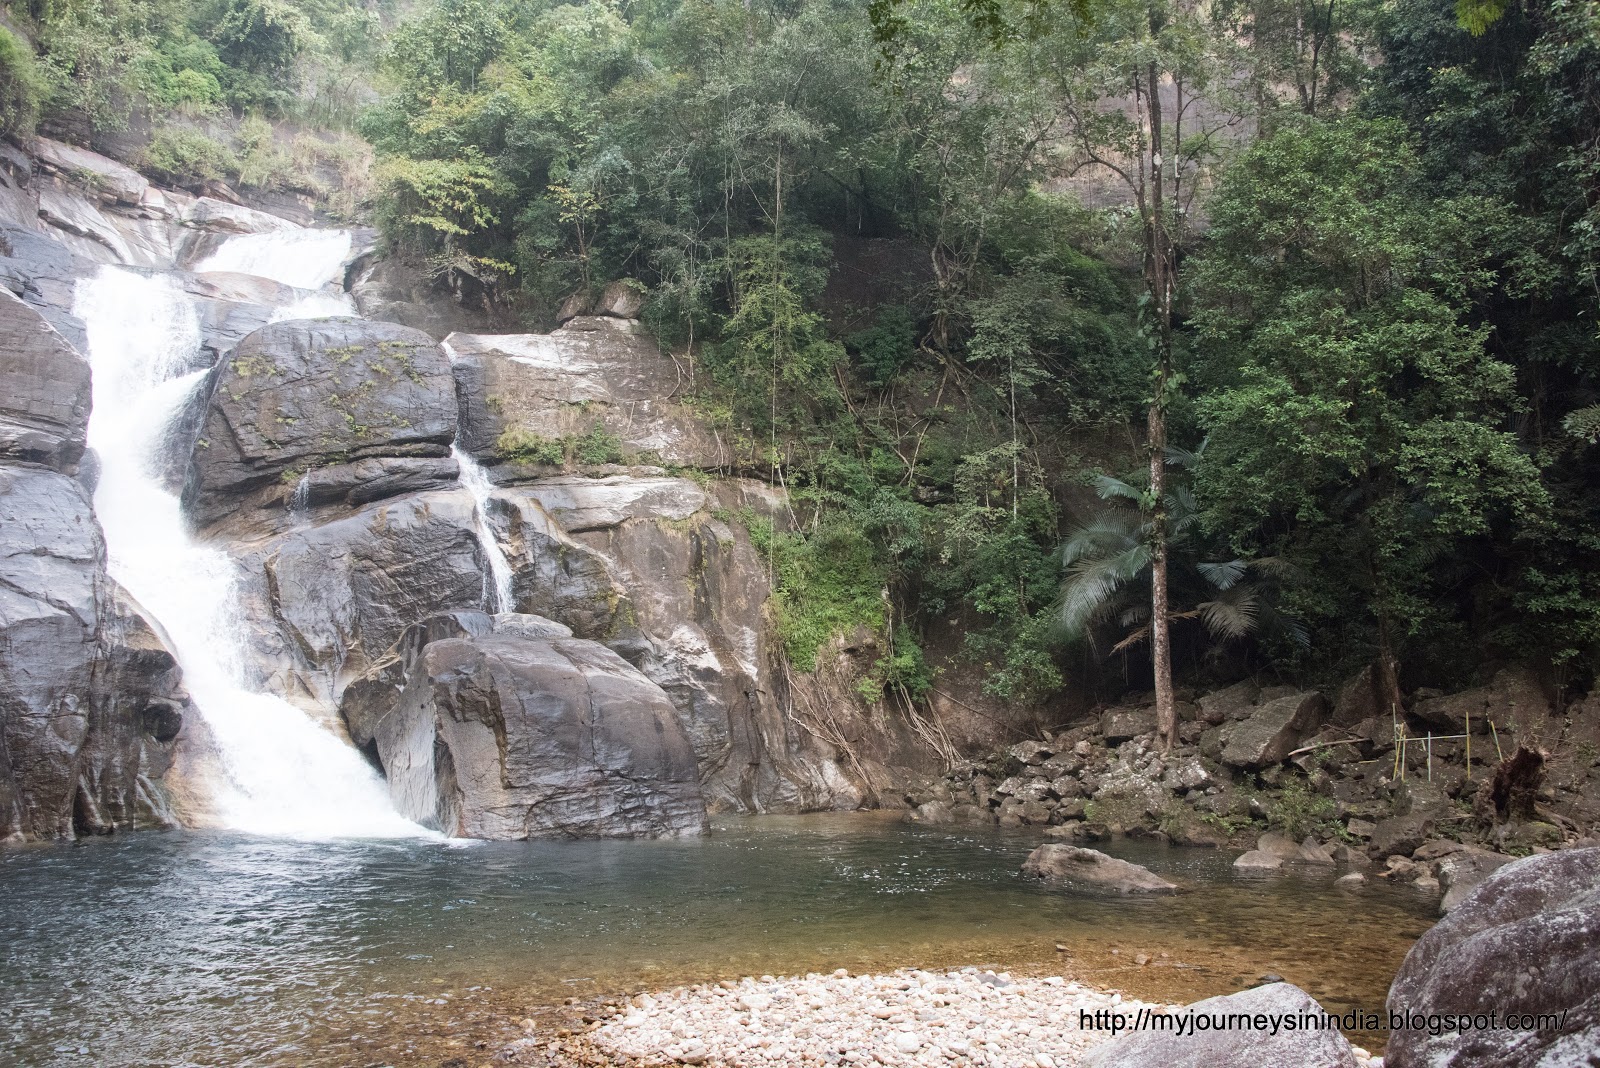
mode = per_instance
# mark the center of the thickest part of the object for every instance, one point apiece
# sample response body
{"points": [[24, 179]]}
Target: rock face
{"points": [[1513, 700], [593, 371], [44, 389], [1258, 1048], [1088, 869], [1275, 728], [1527, 940], [513, 729], [90, 703], [325, 601], [362, 409]]}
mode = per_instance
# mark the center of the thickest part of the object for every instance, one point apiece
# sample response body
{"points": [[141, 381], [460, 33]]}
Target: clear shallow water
{"points": [[204, 948]]}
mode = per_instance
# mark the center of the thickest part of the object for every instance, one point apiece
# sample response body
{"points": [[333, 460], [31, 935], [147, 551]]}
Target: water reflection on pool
{"points": [[198, 948]]}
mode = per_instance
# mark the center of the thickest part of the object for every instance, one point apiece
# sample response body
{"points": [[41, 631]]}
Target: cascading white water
{"points": [[287, 775], [476, 481], [305, 259], [315, 306]]}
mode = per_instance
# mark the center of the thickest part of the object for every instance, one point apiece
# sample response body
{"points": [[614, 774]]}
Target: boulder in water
{"points": [[1525, 944], [1077, 868], [506, 729]]}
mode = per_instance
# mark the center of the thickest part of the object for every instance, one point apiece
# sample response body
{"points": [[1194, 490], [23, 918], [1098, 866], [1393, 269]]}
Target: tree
{"points": [[1357, 416], [1106, 577], [1143, 88]]}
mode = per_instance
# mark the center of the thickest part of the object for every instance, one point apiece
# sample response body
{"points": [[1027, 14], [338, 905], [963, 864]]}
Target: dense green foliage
{"points": [[859, 229]]}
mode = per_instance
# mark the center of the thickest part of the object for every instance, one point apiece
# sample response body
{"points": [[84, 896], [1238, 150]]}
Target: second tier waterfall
{"points": [[283, 772]]}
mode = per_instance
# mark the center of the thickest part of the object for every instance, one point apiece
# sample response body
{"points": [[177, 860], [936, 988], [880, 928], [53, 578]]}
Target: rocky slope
{"points": [[325, 457]]}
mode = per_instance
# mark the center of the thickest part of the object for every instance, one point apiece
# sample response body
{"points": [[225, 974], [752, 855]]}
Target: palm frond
{"points": [[1231, 617], [1110, 488], [1222, 574], [1105, 534], [1091, 580]]}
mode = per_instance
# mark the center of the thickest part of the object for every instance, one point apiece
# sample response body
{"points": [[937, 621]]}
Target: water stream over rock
{"points": [[281, 772]]}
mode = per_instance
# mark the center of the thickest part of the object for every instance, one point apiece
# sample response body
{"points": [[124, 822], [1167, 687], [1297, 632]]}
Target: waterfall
{"points": [[286, 774], [476, 481], [305, 259], [315, 306]]}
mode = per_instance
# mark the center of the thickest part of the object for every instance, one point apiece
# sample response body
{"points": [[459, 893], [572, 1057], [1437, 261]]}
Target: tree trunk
{"points": [[1159, 269]]}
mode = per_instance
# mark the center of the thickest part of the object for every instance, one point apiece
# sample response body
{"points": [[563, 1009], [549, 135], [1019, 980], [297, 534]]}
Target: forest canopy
{"points": [[904, 252]]}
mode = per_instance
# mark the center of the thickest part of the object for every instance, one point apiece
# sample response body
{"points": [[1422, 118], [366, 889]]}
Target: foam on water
{"points": [[305, 259], [286, 774]]}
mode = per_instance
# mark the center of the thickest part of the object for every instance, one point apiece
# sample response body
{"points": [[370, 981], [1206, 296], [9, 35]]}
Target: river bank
{"points": [[911, 1017], [228, 949]]}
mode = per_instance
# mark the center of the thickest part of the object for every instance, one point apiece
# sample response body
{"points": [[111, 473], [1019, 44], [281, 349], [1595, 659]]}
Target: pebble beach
{"points": [[910, 1018]]}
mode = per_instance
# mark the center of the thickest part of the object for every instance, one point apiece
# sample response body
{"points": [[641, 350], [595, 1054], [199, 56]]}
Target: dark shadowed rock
{"points": [[1232, 703], [51, 567], [324, 602], [1077, 868], [519, 732], [1238, 1047], [1274, 729], [44, 389], [1513, 700], [307, 396], [90, 701], [1358, 699], [1527, 940], [1400, 835]]}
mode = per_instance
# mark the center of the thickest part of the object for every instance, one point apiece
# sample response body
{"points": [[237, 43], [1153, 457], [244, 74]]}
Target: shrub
{"points": [[22, 85]]}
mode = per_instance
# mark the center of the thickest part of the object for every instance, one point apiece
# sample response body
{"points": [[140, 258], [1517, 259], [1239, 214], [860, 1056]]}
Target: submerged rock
{"points": [[1525, 943], [1078, 868], [1218, 1047], [508, 729]]}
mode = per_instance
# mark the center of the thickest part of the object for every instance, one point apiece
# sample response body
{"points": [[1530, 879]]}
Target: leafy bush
{"points": [[521, 446], [22, 85], [185, 154]]}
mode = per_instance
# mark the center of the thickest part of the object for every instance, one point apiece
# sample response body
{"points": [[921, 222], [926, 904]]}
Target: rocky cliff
{"points": [[325, 457]]}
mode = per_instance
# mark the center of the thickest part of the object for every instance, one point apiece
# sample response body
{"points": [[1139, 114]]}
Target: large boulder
{"points": [[1122, 724], [1273, 731], [1220, 1045], [511, 730], [1077, 868], [44, 389], [1513, 700], [1525, 943], [593, 371], [90, 700], [324, 601], [313, 400]]}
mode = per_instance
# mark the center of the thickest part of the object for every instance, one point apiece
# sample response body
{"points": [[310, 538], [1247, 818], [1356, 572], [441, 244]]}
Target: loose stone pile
{"points": [[908, 1018]]}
